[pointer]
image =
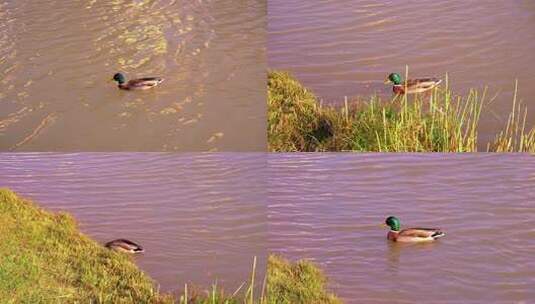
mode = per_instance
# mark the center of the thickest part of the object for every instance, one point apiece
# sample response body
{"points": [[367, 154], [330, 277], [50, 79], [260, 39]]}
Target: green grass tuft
{"points": [[296, 283], [437, 121]]}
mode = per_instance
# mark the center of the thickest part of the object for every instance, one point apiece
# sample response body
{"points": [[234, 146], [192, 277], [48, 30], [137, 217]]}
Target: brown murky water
{"points": [[347, 47], [200, 217], [329, 208], [57, 59]]}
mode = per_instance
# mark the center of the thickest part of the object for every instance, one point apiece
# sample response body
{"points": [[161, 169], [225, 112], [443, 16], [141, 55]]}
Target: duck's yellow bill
{"points": [[384, 225], [387, 81]]}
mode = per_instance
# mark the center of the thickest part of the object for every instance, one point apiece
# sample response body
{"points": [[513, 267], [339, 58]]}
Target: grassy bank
{"points": [[296, 283], [435, 122]]}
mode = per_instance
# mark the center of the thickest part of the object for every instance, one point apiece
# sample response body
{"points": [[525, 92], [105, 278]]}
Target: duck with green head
{"points": [[410, 235], [136, 84], [414, 86]]}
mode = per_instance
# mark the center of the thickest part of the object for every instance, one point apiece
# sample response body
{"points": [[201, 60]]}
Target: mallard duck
{"points": [[414, 86], [410, 235], [125, 246], [137, 84]]}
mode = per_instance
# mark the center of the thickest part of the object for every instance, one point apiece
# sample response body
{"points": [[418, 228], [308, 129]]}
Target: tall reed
{"points": [[515, 137], [217, 296]]}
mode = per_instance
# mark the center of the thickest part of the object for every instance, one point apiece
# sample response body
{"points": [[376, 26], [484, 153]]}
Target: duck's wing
{"points": [[421, 232], [423, 83], [145, 82], [129, 242], [124, 243]]}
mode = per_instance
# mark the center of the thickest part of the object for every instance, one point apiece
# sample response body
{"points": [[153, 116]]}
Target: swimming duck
{"points": [[124, 245], [137, 84], [410, 235], [414, 86]]}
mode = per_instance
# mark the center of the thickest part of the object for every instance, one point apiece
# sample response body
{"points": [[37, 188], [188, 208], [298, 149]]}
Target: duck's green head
{"points": [[392, 222], [393, 78], [119, 78]]}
